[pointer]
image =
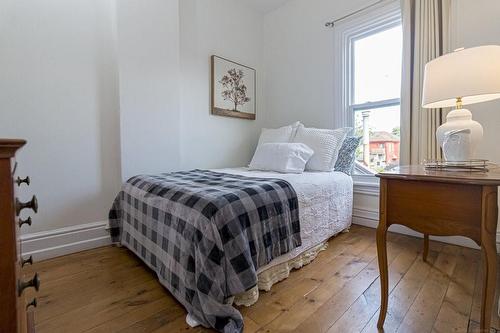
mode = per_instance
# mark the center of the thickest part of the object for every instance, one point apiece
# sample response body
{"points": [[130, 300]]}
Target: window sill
{"points": [[366, 185]]}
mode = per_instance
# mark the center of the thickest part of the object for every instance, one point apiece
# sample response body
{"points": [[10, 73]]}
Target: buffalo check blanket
{"points": [[205, 234]]}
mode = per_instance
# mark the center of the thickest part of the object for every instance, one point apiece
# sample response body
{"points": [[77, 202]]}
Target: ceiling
{"points": [[264, 6]]}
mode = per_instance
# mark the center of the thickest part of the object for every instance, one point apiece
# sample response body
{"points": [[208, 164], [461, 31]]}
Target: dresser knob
{"points": [[33, 204], [34, 282], [33, 303], [26, 180], [27, 221], [29, 260]]}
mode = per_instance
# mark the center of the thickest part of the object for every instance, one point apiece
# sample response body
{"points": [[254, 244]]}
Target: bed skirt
{"points": [[275, 274]]}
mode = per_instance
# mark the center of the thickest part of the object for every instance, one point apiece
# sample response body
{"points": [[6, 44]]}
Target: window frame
{"points": [[380, 17]]}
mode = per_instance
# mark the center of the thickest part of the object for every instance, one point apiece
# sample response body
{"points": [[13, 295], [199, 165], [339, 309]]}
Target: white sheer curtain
{"points": [[426, 35]]}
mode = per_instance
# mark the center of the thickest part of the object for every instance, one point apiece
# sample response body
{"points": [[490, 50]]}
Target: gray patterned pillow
{"points": [[347, 155]]}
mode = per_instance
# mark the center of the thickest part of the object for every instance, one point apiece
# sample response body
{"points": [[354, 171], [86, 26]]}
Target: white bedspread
{"points": [[325, 205]]}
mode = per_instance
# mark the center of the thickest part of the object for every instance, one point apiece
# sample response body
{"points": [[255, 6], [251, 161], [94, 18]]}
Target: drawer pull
{"points": [[27, 221], [33, 204], [34, 282], [33, 303], [29, 260], [26, 180]]}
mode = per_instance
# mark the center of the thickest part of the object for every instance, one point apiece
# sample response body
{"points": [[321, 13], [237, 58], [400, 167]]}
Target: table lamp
{"points": [[463, 77]]}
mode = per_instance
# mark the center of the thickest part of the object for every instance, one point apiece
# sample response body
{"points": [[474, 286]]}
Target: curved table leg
{"points": [[384, 276], [489, 254], [426, 247]]}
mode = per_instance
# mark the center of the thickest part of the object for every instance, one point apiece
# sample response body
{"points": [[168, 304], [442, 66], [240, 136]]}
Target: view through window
{"points": [[375, 88]]}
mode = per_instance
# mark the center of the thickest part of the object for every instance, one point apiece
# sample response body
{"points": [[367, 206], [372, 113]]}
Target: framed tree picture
{"points": [[233, 89]]}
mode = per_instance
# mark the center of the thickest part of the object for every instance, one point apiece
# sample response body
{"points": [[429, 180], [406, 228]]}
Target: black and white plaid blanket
{"points": [[205, 234]]}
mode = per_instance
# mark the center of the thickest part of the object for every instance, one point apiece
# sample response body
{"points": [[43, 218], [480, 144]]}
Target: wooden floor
{"points": [[109, 290]]}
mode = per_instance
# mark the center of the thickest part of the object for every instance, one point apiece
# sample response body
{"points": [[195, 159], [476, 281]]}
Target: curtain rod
{"points": [[331, 24]]}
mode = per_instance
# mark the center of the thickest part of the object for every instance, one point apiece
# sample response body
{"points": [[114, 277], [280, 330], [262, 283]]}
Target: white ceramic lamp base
{"points": [[459, 136]]}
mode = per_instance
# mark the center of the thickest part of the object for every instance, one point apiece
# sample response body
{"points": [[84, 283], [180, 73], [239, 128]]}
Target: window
{"points": [[370, 84]]}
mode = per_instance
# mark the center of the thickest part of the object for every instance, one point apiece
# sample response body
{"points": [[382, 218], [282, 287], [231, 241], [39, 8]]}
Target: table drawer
{"points": [[440, 209]]}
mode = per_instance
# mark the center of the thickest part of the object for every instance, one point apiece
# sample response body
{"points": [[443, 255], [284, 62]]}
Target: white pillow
{"points": [[348, 130], [281, 157], [277, 135], [325, 143]]}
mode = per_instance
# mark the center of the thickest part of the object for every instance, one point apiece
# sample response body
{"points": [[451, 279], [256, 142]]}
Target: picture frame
{"points": [[233, 89]]}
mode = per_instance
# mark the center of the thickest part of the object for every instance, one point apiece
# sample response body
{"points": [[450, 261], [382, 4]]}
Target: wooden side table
{"points": [[441, 203]]}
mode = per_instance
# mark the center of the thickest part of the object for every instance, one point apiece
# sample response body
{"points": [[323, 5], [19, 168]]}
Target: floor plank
{"points": [[350, 260], [328, 313], [110, 290], [403, 295], [344, 270], [456, 307], [425, 308], [360, 312], [476, 304]]}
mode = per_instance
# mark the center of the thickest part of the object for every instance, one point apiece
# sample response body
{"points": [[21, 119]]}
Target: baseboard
{"points": [[58, 242], [369, 218]]}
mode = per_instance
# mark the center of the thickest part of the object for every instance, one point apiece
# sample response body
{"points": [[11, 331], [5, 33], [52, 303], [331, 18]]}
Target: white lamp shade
{"points": [[472, 74]]}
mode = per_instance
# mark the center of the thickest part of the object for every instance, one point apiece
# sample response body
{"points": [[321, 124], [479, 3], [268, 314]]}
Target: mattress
{"points": [[325, 206]]}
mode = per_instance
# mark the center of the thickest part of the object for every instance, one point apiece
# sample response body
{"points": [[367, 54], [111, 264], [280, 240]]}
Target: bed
{"points": [[296, 215], [325, 209]]}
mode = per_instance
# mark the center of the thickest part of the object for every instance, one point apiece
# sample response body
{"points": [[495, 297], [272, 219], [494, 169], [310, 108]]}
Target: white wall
{"points": [[58, 89], [229, 29], [95, 86], [148, 59], [164, 50], [478, 23], [299, 61]]}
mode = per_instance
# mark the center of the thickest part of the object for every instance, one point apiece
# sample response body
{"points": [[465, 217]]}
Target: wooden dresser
{"points": [[16, 314]]}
